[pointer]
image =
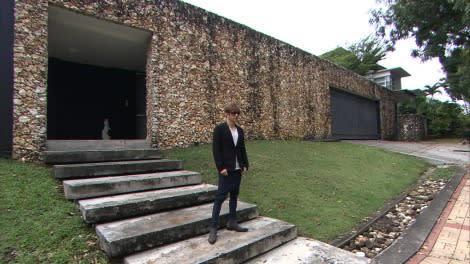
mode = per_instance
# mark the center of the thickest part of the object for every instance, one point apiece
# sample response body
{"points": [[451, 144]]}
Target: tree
{"points": [[360, 57], [416, 105], [441, 29], [443, 118], [434, 89], [457, 67], [342, 57], [369, 51]]}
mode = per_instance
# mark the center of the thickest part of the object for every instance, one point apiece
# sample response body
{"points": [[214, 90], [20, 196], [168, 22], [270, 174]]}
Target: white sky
{"points": [[318, 26]]}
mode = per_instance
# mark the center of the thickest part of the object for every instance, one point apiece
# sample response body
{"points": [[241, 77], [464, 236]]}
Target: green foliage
{"points": [[434, 89], [457, 67], [441, 29], [416, 105], [326, 189], [37, 224], [342, 57], [443, 118], [369, 51], [360, 57]]}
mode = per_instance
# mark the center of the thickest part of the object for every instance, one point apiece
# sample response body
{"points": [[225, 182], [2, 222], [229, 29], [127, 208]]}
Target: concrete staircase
{"points": [[149, 210]]}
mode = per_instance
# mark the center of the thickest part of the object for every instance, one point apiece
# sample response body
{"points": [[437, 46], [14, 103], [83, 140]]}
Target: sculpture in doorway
{"points": [[106, 129]]}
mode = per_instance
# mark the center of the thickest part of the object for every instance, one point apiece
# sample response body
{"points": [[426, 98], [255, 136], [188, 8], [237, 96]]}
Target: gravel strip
{"points": [[389, 227]]}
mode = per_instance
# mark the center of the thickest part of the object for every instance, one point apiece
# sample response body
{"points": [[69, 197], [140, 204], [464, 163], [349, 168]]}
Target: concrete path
{"points": [[434, 153], [449, 241]]}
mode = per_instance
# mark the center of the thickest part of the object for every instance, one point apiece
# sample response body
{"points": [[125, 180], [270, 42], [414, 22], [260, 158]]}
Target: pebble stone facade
{"points": [[412, 127], [197, 61]]}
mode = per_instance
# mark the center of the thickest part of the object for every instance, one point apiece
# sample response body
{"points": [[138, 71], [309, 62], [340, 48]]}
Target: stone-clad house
{"points": [[163, 70]]}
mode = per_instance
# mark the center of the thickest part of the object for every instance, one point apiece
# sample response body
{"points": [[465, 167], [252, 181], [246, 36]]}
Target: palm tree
{"points": [[434, 89]]}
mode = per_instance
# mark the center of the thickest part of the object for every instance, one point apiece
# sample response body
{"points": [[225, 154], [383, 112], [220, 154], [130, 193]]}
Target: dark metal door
{"points": [[6, 76], [354, 117]]}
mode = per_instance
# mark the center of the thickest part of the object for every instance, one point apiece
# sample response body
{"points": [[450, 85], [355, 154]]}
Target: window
{"points": [[385, 81]]}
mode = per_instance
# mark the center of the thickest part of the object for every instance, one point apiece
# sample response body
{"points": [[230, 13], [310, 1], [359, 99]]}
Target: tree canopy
{"points": [[443, 118], [434, 89], [441, 29], [359, 57], [342, 57]]}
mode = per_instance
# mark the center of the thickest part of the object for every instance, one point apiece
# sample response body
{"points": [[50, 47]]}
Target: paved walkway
{"points": [[434, 153], [449, 241]]}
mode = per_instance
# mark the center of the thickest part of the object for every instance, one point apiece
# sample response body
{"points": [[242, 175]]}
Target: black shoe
{"points": [[233, 225], [212, 235]]}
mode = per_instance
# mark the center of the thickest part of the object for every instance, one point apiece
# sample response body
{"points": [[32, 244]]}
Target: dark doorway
{"points": [[96, 78], [353, 116], [82, 97], [6, 75]]}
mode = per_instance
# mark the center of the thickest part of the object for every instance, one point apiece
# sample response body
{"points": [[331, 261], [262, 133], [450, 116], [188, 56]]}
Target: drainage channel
{"points": [[379, 231]]}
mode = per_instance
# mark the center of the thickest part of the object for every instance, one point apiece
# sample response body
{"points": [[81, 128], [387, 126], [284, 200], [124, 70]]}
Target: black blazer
{"points": [[225, 151]]}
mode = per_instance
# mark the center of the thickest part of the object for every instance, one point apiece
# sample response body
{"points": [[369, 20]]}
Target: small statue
{"points": [[105, 131]]}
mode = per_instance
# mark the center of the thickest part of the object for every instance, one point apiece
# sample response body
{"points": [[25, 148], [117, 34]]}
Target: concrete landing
{"points": [[95, 187], [87, 170], [305, 250], [77, 156], [231, 247], [129, 205], [141, 233], [100, 144]]}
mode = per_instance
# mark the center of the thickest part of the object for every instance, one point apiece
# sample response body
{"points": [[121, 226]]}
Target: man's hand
{"points": [[224, 172], [244, 170]]}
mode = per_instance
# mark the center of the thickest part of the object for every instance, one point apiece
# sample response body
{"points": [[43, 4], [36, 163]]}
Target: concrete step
{"points": [[264, 234], [109, 208], [306, 250], [95, 187], [113, 144], [86, 170], [141, 233], [84, 156]]}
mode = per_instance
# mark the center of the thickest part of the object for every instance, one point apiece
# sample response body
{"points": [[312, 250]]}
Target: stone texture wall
{"points": [[412, 127], [30, 76], [197, 63]]}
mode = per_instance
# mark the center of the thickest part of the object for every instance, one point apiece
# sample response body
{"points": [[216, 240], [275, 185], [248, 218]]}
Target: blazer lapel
{"points": [[229, 134]]}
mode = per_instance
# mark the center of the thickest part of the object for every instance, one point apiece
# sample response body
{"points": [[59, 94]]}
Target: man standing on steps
{"points": [[228, 148]]}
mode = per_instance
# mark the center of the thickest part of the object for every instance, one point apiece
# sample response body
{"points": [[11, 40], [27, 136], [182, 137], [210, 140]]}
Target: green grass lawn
{"points": [[445, 173], [326, 189], [37, 224]]}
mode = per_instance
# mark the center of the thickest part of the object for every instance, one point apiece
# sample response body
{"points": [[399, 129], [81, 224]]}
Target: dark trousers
{"points": [[227, 184]]}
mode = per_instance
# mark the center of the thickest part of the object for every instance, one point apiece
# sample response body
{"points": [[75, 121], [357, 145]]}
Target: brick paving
{"points": [[449, 241]]}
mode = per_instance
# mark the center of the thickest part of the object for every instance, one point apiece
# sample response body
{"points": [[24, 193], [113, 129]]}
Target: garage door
{"points": [[354, 117]]}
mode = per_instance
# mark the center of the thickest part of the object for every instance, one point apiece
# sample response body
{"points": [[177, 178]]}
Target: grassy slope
{"points": [[324, 188], [37, 224]]}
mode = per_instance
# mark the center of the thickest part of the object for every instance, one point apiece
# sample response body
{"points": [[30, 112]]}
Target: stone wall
{"points": [[197, 63], [412, 127], [30, 76]]}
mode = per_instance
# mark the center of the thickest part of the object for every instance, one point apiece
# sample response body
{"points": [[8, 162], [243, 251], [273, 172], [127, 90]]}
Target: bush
{"points": [[444, 119]]}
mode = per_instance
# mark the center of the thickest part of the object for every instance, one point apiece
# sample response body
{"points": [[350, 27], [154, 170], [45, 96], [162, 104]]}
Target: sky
{"points": [[318, 26]]}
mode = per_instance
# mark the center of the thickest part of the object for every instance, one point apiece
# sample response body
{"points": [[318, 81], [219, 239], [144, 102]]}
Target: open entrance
{"points": [[96, 78]]}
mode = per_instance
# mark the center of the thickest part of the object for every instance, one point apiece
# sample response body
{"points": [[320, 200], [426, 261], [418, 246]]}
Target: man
{"points": [[230, 158]]}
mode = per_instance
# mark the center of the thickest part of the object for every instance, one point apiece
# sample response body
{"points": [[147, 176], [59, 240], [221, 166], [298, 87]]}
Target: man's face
{"points": [[233, 116]]}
